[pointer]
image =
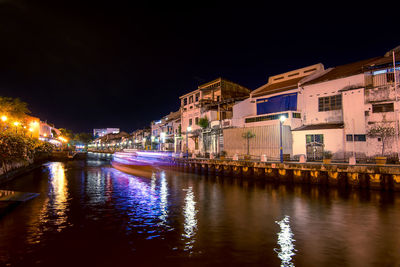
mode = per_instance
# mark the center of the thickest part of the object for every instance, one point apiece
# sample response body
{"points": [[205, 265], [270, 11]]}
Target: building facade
{"points": [[213, 102]]}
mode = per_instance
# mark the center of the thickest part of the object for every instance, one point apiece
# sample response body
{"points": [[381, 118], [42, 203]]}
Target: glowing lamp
{"points": [[16, 123], [282, 118], [4, 118]]}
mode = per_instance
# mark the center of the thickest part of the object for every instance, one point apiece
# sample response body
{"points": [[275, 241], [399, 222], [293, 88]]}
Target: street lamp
{"points": [[188, 129], [281, 121], [4, 118]]}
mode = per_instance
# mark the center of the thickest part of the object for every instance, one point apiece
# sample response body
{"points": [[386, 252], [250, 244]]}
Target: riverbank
{"points": [[11, 170], [365, 176]]}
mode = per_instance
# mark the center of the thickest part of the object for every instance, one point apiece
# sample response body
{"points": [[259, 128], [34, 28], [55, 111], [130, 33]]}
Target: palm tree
{"points": [[248, 135]]}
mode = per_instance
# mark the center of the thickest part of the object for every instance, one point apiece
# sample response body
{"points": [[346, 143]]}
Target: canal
{"points": [[89, 214]]}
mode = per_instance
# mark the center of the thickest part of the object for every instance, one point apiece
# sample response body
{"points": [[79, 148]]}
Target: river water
{"points": [[89, 214]]}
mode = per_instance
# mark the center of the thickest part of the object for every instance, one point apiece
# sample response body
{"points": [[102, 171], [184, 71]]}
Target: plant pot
{"points": [[327, 161], [380, 160]]}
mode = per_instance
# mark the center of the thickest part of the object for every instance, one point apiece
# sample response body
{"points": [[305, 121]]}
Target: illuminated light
{"points": [[190, 224], [45, 135], [30, 129], [62, 139], [16, 123], [282, 118], [163, 199], [189, 128], [4, 118], [285, 241]]}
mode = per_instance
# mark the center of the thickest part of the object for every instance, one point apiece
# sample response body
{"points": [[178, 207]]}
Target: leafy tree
{"points": [[384, 132], [83, 138], [13, 108], [203, 122]]}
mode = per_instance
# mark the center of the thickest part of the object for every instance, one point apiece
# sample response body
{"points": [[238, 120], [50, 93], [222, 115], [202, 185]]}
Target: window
{"points": [[377, 108], [296, 115], [190, 99], [357, 138], [217, 97], [190, 122], [315, 138], [197, 97], [266, 118], [360, 138], [330, 103], [196, 120], [185, 101]]}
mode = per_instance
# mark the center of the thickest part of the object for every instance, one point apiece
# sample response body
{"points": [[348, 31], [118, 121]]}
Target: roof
{"points": [[277, 87], [322, 126], [343, 71], [385, 61]]}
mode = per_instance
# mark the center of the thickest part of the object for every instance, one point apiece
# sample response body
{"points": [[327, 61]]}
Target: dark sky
{"points": [[92, 64]]}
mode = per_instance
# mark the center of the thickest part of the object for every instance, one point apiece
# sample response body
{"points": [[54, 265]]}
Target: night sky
{"points": [[93, 64]]}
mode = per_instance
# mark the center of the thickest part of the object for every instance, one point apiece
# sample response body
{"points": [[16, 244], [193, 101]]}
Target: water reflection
{"points": [[190, 224], [53, 213], [285, 241], [144, 202], [163, 199], [58, 194]]}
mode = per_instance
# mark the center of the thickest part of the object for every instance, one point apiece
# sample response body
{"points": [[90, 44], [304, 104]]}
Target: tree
{"points": [[248, 135], [203, 122], [13, 108], [84, 138], [384, 132]]}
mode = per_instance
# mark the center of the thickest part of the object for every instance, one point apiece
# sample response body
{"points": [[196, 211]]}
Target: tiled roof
{"points": [[343, 71], [273, 88], [322, 126]]}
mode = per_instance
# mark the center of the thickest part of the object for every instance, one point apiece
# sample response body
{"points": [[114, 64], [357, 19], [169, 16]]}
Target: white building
{"points": [[261, 113], [163, 132], [104, 131], [212, 100], [342, 105]]}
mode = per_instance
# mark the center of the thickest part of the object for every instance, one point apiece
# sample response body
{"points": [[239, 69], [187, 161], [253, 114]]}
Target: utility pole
{"points": [[397, 106]]}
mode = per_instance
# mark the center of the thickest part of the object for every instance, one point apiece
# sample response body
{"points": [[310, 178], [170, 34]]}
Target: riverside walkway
{"points": [[367, 176]]}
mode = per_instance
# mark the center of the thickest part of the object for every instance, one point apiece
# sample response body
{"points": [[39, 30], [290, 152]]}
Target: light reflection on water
{"points": [[145, 202], [53, 213], [285, 241], [87, 210], [190, 224]]}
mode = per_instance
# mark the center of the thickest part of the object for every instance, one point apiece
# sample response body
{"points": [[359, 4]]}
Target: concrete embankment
{"points": [[380, 177]]}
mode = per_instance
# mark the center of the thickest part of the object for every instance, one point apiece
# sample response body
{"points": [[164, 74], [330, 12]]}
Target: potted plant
{"points": [[327, 157], [384, 133]]}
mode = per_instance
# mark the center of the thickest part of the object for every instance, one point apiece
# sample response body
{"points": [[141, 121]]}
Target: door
{"points": [[314, 146]]}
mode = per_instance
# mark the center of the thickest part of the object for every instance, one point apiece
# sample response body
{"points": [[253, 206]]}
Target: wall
{"points": [[309, 95], [243, 109], [266, 141], [333, 141], [354, 121]]}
